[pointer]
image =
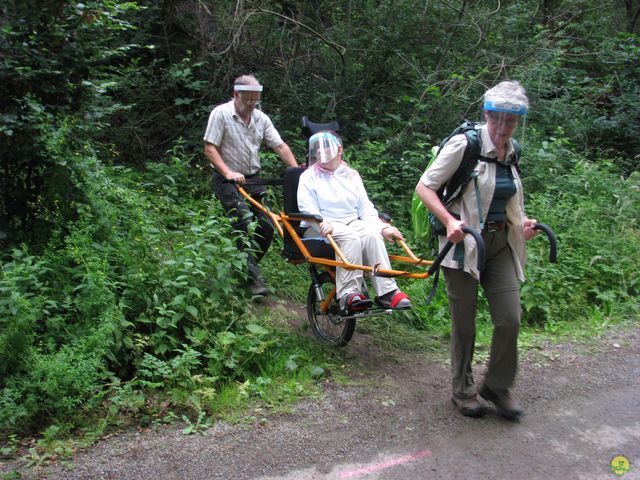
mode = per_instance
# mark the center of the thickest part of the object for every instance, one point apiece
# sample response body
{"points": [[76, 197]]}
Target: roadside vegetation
{"points": [[121, 290]]}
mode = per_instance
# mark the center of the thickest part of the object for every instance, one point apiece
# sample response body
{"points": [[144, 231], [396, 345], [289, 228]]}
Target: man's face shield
{"points": [[323, 147], [505, 121], [247, 98]]}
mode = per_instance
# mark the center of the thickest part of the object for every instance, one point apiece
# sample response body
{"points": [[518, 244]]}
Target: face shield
{"points": [[323, 147], [248, 98], [506, 119]]}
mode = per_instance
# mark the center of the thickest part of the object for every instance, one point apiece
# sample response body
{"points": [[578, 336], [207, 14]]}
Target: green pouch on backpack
{"points": [[425, 225], [420, 220]]}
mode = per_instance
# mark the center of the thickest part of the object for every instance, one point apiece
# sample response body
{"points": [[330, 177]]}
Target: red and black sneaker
{"points": [[396, 300], [355, 302]]}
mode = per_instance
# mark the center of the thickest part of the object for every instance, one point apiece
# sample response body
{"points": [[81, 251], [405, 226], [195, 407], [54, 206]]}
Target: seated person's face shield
{"points": [[505, 120], [323, 147]]}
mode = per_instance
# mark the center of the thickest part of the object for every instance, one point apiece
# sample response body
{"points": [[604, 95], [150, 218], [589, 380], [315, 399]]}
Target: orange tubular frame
{"points": [[275, 219], [283, 221]]}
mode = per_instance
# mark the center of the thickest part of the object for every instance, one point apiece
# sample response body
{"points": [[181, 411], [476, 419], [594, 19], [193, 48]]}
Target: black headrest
{"points": [[309, 128]]}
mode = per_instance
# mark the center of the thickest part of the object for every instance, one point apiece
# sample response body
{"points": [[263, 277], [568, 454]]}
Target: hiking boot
{"points": [[469, 407], [394, 299], [504, 403], [257, 288], [354, 302]]}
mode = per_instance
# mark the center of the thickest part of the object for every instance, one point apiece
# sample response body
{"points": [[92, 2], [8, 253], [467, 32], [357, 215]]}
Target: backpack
{"points": [[426, 226]]}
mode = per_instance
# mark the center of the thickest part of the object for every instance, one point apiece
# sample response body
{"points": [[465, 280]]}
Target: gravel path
{"points": [[396, 421]]}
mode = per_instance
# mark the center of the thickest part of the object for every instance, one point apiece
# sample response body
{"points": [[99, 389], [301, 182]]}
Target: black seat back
{"points": [[290, 189], [290, 251]]}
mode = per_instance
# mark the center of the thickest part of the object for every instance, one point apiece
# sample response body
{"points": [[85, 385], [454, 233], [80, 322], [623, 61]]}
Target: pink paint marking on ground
{"points": [[384, 465]]}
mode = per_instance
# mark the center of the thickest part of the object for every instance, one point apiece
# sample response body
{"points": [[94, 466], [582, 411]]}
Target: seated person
{"points": [[333, 190]]}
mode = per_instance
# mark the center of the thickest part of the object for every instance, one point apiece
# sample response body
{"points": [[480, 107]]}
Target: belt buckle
{"points": [[492, 227]]}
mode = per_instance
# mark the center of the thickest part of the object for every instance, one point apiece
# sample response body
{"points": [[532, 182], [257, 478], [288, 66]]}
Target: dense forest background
{"points": [[120, 280]]}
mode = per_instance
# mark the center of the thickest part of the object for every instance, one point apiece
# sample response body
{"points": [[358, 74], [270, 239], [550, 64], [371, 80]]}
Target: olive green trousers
{"points": [[502, 291]]}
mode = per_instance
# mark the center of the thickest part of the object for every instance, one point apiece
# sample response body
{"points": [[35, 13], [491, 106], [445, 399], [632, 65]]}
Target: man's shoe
{"points": [[505, 404], [469, 407], [257, 288]]}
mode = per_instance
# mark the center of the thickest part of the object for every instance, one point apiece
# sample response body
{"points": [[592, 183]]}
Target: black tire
{"points": [[329, 327]]}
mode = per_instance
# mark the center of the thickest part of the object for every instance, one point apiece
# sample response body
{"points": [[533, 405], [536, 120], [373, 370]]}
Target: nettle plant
{"points": [[590, 206]]}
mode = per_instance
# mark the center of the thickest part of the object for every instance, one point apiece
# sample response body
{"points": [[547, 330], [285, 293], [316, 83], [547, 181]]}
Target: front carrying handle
{"points": [[443, 253], [553, 244]]}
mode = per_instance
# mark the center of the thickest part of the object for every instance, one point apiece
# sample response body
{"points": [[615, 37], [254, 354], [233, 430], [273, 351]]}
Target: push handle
{"points": [[553, 244], [275, 219], [259, 181], [443, 253]]}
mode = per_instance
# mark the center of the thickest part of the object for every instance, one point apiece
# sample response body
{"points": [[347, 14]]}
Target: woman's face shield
{"points": [[323, 147], [505, 121]]}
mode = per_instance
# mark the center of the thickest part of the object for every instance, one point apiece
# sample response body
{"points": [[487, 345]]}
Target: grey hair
{"points": [[246, 80], [509, 91]]}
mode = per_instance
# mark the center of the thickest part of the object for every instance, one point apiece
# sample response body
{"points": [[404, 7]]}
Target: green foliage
{"points": [[144, 284], [120, 282], [390, 177], [588, 87], [592, 210], [20, 310], [53, 53], [200, 426]]}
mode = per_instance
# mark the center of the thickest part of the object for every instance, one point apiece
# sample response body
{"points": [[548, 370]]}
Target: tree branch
{"points": [[340, 50]]}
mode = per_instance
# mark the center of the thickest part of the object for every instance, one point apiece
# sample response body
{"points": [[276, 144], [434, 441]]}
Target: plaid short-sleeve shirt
{"points": [[239, 144]]}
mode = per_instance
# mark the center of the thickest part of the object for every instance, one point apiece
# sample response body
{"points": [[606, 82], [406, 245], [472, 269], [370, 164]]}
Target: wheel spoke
{"points": [[328, 326]]}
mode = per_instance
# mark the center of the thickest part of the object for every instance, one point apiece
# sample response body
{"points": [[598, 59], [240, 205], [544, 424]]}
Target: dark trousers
{"points": [[502, 290], [242, 214]]}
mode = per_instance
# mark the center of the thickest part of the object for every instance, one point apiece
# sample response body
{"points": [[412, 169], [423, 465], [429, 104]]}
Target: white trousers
{"points": [[361, 244]]}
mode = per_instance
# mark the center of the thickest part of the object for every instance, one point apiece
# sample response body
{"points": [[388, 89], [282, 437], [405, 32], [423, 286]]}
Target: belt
{"points": [[246, 175], [494, 226]]}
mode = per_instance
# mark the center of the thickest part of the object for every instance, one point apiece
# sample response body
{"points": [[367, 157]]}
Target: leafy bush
{"points": [[592, 209], [148, 270], [22, 305], [389, 176], [54, 57]]}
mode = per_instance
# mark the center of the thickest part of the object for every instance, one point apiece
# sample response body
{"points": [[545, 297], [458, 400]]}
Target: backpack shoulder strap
{"points": [[474, 145], [468, 163]]}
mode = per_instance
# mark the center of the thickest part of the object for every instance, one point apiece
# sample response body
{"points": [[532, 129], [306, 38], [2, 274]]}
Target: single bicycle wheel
{"points": [[328, 326]]}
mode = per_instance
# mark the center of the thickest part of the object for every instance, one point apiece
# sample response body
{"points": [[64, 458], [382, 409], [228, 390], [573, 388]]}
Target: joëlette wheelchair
{"points": [[328, 321]]}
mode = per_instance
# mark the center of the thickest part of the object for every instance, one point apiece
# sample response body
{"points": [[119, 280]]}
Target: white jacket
{"points": [[337, 196]]}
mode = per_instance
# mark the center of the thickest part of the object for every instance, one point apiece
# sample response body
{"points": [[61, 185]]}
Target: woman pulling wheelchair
{"points": [[496, 190], [333, 190]]}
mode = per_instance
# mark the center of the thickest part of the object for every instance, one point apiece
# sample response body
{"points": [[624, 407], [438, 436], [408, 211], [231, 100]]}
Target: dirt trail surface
{"points": [[396, 421]]}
